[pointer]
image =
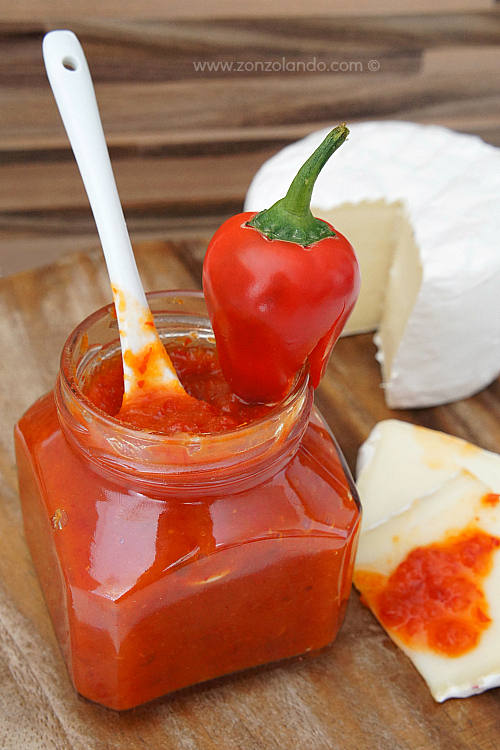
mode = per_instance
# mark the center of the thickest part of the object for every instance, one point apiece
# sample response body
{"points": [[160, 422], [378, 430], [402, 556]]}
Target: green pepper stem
{"points": [[290, 218]]}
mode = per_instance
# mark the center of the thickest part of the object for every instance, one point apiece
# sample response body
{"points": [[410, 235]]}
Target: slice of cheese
{"points": [[420, 206], [400, 462], [457, 505]]}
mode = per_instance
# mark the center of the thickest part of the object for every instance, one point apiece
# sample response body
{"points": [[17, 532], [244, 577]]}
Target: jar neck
{"points": [[166, 464]]}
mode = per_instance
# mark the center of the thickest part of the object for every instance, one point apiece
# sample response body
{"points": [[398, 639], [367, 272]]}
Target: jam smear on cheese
{"points": [[491, 499], [434, 599]]}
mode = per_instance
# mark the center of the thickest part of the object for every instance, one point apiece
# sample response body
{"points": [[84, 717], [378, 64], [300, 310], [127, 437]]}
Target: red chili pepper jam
{"points": [[492, 498], [216, 408], [165, 561], [434, 599]]}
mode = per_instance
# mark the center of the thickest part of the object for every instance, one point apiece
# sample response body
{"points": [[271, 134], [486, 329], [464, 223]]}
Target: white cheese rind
{"points": [[454, 506], [400, 462], [449, 185]]}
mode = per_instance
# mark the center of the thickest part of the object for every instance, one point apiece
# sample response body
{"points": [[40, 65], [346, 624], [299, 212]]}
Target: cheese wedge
{"points": [[375, 250], [461, 503], [419, 204], [400, 462]]}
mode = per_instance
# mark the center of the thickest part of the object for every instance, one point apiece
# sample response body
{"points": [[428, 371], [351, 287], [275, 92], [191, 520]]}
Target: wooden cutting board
{"points": [[360, 694]]}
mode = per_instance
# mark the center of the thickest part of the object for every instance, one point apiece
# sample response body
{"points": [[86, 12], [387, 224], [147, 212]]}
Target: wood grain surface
{"points": [[360, 694], [186, 141], [159, 9]]}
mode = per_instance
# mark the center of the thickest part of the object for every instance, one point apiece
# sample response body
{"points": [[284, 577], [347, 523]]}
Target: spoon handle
{"points": [[71, 83], [73, 90]]}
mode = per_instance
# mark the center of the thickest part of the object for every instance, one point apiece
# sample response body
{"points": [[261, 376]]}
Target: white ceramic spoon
{"points": [[71, 83]]}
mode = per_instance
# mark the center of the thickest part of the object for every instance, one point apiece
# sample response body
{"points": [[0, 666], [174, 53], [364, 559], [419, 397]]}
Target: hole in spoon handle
{"points": [[70, 63]]}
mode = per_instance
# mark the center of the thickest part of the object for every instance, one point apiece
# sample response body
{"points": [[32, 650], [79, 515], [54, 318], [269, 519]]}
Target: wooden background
{"points": [[184, 144], [184, 147]]}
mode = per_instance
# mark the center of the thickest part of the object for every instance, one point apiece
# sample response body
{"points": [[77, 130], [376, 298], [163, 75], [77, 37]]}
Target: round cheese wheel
{"points": [[421, 206]]}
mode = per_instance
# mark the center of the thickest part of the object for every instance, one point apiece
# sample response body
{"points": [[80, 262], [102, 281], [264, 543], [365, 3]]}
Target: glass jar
{"points": [[170, 560]]}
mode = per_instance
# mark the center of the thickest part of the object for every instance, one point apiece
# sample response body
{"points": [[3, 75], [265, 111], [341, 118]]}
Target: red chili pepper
{"points": [[279, 287]]}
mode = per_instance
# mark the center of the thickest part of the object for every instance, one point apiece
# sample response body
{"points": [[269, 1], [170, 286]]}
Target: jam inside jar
{"points": [[168, 560]]}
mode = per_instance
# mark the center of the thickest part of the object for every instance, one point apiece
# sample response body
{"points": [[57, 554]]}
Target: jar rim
{"points": [[70, 381]]}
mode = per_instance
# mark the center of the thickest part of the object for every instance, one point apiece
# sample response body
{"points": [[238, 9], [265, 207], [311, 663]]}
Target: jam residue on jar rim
{"points": [[149, 455]]}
